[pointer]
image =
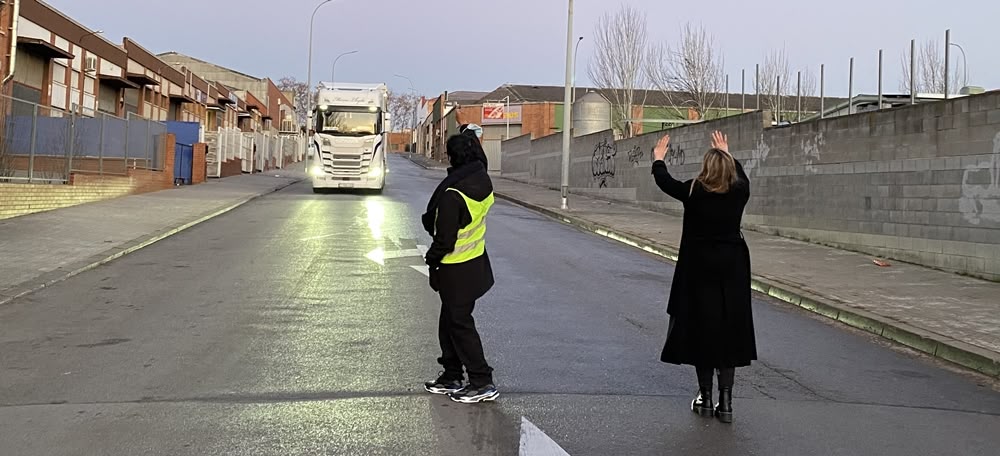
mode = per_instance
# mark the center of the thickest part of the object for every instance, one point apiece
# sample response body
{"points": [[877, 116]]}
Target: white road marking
{"points": [[534, 442], [423, 269], [379, 255]]}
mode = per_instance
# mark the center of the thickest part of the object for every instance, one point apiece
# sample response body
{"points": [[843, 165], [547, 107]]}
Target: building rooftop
{"points": [[554, 94]]}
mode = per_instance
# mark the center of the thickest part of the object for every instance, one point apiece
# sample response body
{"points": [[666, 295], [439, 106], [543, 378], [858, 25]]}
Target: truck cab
{"points": [[352, 124]]}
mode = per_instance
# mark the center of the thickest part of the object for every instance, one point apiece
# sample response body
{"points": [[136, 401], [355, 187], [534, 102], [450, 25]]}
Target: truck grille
{"points": [[350, 164]]}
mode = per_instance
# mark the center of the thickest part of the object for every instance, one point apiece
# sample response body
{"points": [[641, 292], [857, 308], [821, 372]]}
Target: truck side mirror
{"points": [[387, 122]]}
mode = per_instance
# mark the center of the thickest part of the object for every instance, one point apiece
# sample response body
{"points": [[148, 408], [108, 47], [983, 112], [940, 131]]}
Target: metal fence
{"points": [[44, 144], [229, 144]]}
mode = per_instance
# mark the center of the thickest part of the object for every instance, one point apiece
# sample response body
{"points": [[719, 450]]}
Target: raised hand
{"points": [[660, 151], [720, 141]]}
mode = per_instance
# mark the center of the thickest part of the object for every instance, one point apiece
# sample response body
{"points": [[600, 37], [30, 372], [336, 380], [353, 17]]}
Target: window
{"points": [[88, 84], [59, 74], [75, 80], [346, 121]]}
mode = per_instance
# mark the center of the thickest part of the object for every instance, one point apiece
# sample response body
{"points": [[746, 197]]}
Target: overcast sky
{"points": [[481, 44]]}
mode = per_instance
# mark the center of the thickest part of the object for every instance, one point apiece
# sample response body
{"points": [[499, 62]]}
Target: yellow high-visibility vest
{"points": [[471, 243]]}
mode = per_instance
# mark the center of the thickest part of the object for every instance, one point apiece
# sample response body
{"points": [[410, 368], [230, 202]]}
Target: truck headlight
{"points": [[317, 170], [376, 171]]}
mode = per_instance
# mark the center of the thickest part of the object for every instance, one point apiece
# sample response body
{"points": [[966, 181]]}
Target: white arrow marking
{"points": [[534, 442], [423, 270], [379, 255]]}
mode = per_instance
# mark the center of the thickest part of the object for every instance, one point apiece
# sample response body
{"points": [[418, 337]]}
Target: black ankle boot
{"points": [[724, 411], [702, 404]]}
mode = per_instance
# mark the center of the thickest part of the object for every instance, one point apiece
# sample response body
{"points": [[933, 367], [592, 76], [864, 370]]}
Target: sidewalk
{"points": [[942, 314], [45, 248]]}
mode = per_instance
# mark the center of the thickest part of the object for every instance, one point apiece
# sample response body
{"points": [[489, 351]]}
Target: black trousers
{"points": [[461, 344], [727, 376]]}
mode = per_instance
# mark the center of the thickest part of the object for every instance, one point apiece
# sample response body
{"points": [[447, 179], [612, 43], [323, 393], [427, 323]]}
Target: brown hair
{"points": [[718, 171]]}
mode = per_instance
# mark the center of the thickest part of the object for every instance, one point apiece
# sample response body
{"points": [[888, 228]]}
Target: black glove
{"points": [[434, 276]]}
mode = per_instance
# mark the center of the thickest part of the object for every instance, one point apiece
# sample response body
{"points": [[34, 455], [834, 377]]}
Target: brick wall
{"points": [[232, 168], [918, 184], [199, 164], [538, 119]]}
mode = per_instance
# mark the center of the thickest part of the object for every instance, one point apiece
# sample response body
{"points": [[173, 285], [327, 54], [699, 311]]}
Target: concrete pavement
{"points": [[286, 337], [44, 248], [945, 315]]}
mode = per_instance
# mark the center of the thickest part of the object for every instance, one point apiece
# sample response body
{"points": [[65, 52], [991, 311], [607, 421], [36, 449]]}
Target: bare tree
{"points": [[810, 85], [691, 75], [929, 70], [403, 107], [619, 63], [775, 65], [301, 91]]}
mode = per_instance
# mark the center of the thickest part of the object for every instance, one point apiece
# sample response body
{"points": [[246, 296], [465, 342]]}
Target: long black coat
{"points": [[711, 321], [469, 281]]}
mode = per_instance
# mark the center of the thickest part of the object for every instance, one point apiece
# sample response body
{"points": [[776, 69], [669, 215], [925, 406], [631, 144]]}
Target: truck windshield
{"points": [[348, 121]]}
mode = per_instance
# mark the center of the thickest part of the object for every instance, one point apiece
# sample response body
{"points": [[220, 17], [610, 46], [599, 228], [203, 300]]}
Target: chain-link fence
{"points": [[44, 144]]}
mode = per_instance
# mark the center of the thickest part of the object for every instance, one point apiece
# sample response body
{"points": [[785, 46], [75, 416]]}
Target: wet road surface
{"points": [[300, 324]]}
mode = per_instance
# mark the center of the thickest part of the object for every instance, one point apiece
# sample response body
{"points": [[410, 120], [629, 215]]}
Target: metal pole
{"points": [[128, 120], [100, 148], [778, 100], [567, 112], [850, 89], [575, 53], [947, 61], [34, 141], [743, 90], [72, 146], [756, 81], [333, 72], [309, 88], [146, 145], [965, 65], [727, 96], [506, 114], [822, 91], [798, 94], [913, 73], [880, 93]]}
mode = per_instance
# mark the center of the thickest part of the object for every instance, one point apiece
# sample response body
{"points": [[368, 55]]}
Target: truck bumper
{"points": [[335, 182]]}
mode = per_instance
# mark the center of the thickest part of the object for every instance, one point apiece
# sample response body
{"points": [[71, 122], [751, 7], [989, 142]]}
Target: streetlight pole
{"points": [[333, 72], [309, 88], [575, 53], [506, 115], [965, 65], [567, 112]]}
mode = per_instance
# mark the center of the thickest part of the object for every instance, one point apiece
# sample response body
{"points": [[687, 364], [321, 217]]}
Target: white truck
{"points": [[352, 124]]}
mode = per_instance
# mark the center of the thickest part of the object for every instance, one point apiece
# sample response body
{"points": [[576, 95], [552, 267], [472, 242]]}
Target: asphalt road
{"points": [[274, 330]]}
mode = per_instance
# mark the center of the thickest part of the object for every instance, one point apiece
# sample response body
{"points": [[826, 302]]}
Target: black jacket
{"points": [[711, 320], [472, 279]]}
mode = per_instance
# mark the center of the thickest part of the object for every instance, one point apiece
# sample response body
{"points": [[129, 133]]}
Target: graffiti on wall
{"points": [[811, 148], [982, 201], [675, 155], [757, 156], [602, 162], [635, 155]]}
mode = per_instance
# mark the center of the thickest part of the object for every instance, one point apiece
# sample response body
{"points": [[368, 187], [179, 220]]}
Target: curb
{"points": [[935, 345], [409, 157], [35, 285]]}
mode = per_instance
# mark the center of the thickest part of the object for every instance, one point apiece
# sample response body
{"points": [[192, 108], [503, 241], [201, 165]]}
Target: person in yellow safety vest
{"points": [[460, 270]]}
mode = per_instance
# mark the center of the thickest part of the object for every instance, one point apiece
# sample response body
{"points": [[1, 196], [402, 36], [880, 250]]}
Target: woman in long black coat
{"points": [[711, 321]]}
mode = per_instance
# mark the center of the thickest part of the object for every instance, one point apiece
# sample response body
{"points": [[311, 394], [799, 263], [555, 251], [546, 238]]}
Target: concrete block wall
{"points": [[919, 184]]}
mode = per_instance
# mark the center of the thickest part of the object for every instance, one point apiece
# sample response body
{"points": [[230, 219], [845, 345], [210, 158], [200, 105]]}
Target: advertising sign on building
{"points": [[498, 113]]}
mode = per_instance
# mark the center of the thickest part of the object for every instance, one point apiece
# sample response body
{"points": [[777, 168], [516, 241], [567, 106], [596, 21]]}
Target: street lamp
{"points": [[567, 112], [575, 53], [95, 32], [333, 72], [309, 88], [965, 64]]}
